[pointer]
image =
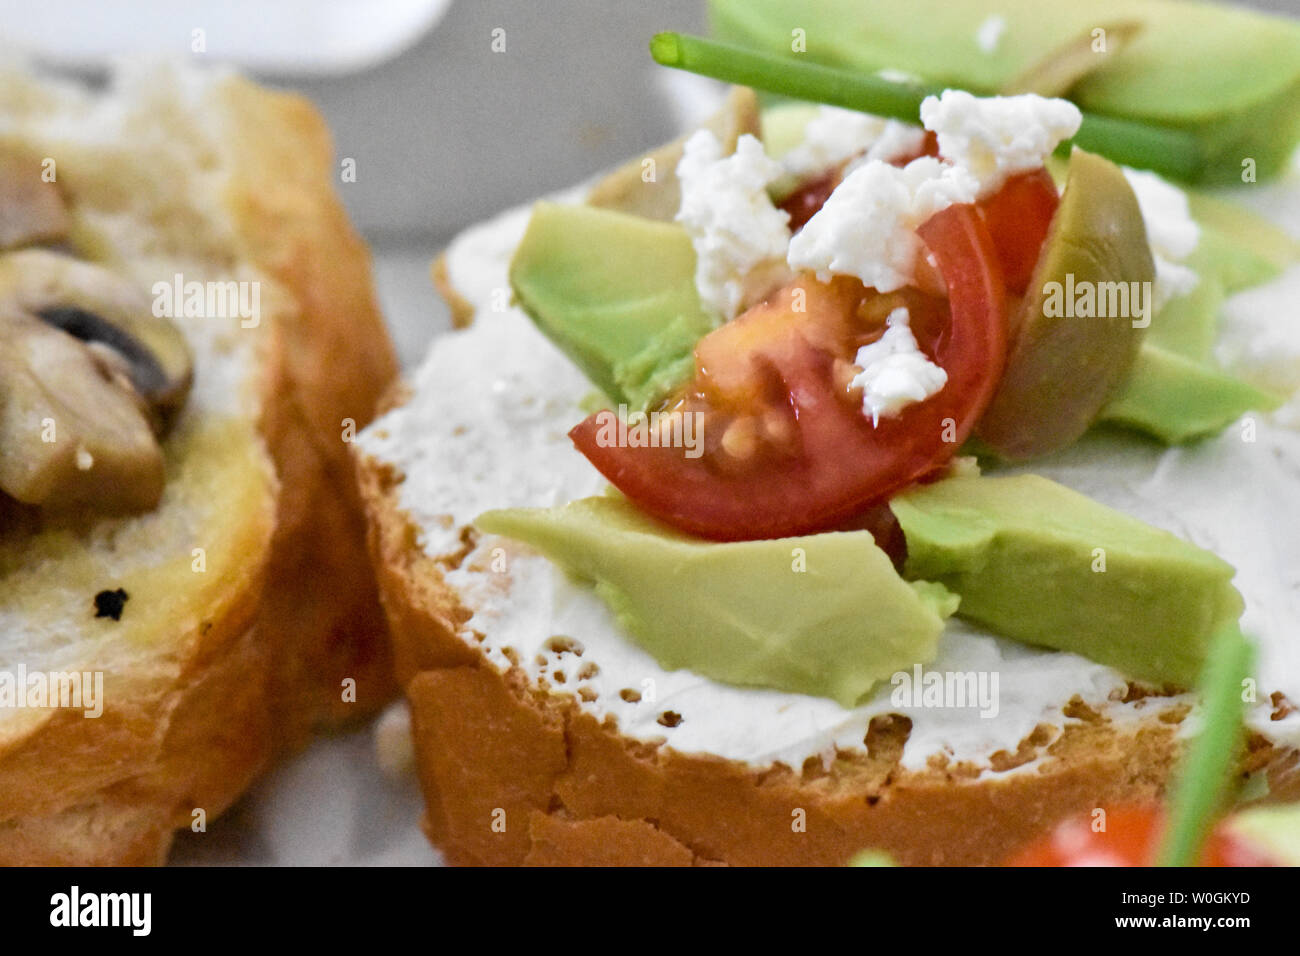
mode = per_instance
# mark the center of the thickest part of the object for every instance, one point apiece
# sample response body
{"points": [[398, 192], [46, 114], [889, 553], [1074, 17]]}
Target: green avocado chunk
{"points": [[1237, 249], [825, 615], [1175, 393], [1038, 562], [1230, 76], [1178, 400], [1079, 327], [1188, 324], [616, 293]]}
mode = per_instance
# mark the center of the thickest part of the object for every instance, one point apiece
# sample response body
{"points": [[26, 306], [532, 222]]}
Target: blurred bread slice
{"points": [[251, 615]]}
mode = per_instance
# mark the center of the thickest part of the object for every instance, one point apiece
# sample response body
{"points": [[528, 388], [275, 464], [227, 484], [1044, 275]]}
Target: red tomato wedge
{"points": [[1130, 838], [1018, 216], [807, 457], [807, 200]]}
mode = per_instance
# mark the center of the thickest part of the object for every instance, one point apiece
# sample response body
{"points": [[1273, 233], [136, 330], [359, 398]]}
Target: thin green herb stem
{"points": [[1169, 151], [1206, 769]]}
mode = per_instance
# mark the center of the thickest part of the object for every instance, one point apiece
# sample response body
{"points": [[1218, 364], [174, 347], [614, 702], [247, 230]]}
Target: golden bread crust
{"points": [[334, 361]]}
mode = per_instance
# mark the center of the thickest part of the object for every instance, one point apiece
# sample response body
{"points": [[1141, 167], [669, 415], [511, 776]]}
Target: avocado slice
{"points": [[824, 614], [1064, 363], [1038, 562], [1188, 324], [1238, 247], [1177, 399], [1175, 393], [616, 293], [1230, 76]]}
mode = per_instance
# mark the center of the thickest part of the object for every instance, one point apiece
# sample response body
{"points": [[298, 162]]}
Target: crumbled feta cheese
{"points": [[1171, 231], [996, 137], [895, 372], [737, 232], [867, 228], [989, 33], [834, 135]]}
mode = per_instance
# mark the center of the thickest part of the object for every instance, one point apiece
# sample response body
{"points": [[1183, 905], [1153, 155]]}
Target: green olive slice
{"points": [[1068, 356]]}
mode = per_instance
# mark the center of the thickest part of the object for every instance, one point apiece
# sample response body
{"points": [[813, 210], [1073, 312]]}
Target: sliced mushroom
{"points": [[32, 210], [72, 432], [89, 381], [103, 310]]}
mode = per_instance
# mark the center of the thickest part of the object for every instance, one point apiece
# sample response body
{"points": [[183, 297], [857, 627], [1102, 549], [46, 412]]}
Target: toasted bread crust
{"points": [[333, 364], [491, 748], [266, 663]]}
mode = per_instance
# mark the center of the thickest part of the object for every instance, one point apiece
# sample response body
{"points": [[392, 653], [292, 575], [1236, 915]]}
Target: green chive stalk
{"points": [[1169, 151]]}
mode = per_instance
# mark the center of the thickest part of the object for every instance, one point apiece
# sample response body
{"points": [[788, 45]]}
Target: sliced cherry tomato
{"points": [[803, 455], [1018, 216], [1130, 838], [809, 197]]}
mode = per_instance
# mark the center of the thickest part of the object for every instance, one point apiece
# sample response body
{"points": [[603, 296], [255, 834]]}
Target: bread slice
{"points": [[249, 601], [536, 738]]}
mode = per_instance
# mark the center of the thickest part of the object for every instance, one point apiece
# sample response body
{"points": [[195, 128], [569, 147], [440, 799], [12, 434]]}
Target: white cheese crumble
{"points": [[736, 230], [895, 372], [834, 135], [989, 34], [996, 137], [1171, 231], [867, 228]]}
